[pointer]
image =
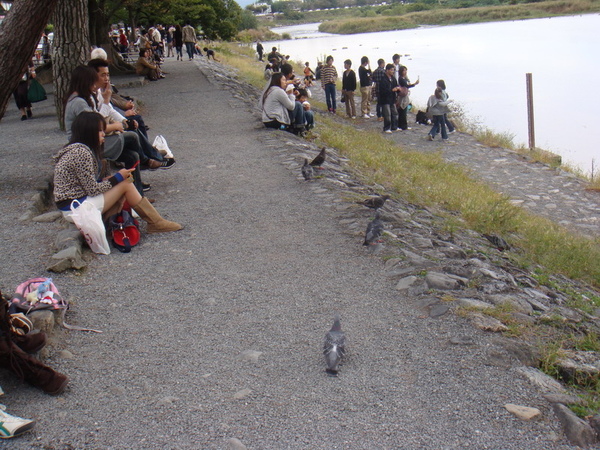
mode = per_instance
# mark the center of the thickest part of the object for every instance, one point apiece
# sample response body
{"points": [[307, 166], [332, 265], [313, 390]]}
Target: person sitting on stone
{"points": [[148, 153], [144, 67], [78, 175]]}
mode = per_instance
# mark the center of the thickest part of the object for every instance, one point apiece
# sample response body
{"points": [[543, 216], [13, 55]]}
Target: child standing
{"points": [[442, 85], [308, 75], [438, 109]]}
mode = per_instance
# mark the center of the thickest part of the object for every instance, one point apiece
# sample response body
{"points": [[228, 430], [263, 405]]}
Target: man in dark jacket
{"points": [[387, 97]]}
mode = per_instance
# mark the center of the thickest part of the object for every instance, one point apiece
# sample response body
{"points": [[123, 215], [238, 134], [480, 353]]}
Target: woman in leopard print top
{"points": [[77, 176]]}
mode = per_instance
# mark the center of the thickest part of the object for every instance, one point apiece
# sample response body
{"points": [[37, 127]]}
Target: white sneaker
{"points": [[354, 117], [388, 131], [372, 115], [11, 426], [366, 116]]}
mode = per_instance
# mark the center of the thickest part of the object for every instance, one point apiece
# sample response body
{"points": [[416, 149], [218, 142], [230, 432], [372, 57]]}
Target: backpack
{"points": [[40, 293]]}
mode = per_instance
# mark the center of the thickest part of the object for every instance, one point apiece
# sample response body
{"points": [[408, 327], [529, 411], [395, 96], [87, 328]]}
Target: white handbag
{"points": [[89, 221], [160, 144]]}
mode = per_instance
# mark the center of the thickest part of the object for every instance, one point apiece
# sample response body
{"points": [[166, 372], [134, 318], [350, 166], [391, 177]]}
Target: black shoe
{"points": [[23, 117], [29, 113], [167, 163], [146, 187]]}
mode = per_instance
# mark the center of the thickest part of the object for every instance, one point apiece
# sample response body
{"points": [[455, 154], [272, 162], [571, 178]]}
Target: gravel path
{"points": [[212, 335]]}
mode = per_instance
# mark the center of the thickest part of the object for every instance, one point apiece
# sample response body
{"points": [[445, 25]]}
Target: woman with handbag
{"points": [[78, 176], [404, 96], [20, 93]]}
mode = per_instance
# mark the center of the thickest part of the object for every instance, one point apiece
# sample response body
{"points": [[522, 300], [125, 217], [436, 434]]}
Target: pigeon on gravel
{"points": [[374, 230], [334, 347], [319, 159], [307, 171], [374, 202], [497, 242]]}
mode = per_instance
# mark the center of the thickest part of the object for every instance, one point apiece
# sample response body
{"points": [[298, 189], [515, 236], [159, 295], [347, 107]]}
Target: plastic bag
{"points": [[89, 221], [36, 92], [160, 144]]}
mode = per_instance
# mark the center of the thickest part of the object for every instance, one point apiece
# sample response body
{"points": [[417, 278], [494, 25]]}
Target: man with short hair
{"points": [[364, 77], [378, 75], [396, 62], [189, 39], [387, 96]]}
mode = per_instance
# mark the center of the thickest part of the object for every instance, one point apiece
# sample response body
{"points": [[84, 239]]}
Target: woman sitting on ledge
{"points": [[276, 103], [78, 176]]}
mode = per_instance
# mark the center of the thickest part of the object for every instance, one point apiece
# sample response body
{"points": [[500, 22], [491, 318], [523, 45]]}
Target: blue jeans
{"points": [[439, 123], [330, 96], [390, 117], [297, 117], [190, 49], [310, 119]]}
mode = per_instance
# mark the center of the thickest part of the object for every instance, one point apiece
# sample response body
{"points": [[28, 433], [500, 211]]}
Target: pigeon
{"points": [[497, 242], [374, 230], [374, 202], [319, 159], [307, 171], [334, 349]]}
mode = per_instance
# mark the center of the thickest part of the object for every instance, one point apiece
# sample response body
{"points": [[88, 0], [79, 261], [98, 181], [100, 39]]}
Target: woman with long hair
{"points": [[78, 175], [404, 101], [276, 103]]}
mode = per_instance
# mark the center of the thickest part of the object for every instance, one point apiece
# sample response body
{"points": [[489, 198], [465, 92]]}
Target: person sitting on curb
{"points": [[275, 103], [309, 116], [15, 356], [144, 67], [78, 176], [149, 153]]}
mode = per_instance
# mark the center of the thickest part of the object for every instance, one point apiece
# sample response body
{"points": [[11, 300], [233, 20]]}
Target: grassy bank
{"points": [[402, 17], [428, 180]]}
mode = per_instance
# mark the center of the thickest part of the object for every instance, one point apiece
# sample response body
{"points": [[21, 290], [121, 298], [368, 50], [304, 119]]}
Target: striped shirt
{"points": [[328, 75]]}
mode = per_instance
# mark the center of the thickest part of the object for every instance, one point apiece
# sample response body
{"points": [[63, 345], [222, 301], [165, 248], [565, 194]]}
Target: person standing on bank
{"points": [[259, 49], [388, 87], [404, 101], [364, 76], [378, 75], [348, 88], [438, 108], [442, 85], [328, 79]]}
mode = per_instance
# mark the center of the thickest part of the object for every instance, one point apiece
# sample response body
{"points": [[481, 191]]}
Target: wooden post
{"points": [[530, 121]]}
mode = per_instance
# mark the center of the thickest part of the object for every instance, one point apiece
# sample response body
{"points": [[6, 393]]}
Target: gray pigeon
{"points": [[333, 349], [374, 230], [374, 202], [497, 242], [307, 171], [319, 159]]}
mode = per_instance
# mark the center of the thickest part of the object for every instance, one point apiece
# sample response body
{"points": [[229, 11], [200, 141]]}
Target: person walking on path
{"points": [[20, 93], [364, 75], [378, 75], [348, 88], [388, 87], [438, 107], [329, 77], [404, 100], [178, 42], [189, 39]]}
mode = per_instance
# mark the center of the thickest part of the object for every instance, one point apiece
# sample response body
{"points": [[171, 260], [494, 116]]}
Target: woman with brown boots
{"points": [[78, 176]]}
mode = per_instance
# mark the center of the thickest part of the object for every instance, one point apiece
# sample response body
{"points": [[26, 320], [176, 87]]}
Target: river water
{"points": [[484, 66]]}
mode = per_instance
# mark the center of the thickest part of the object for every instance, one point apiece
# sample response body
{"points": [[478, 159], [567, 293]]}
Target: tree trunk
{"points": [[71, 48], [20, 33]]}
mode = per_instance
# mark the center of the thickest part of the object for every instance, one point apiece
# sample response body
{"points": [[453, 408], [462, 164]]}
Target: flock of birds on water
{"points": [[335, 339]]}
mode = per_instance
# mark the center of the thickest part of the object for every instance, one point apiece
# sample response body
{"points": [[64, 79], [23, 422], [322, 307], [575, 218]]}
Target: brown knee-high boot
{"points": [[30, 369], [156, 224]]}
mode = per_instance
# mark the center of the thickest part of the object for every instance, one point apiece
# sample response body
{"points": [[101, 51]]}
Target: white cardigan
{"points": [[277, 104]]}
